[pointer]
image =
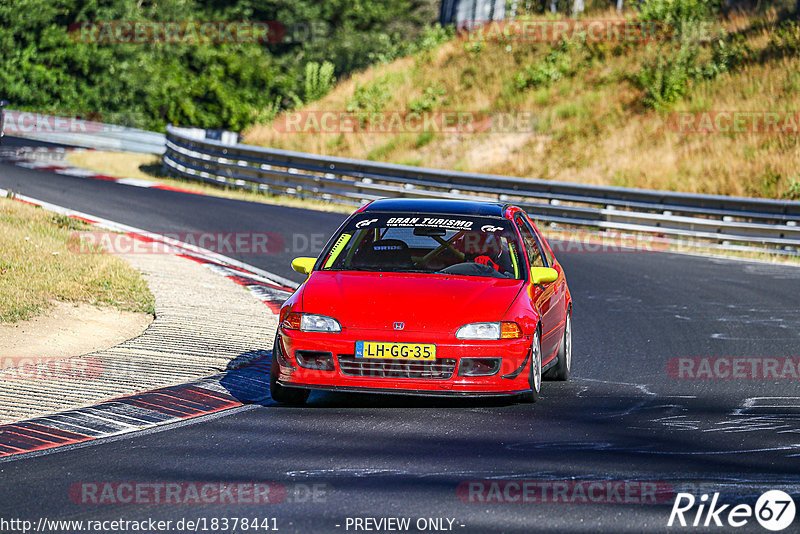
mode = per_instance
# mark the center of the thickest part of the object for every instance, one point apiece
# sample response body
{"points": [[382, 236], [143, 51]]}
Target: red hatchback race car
{"points": [[426, 297]]}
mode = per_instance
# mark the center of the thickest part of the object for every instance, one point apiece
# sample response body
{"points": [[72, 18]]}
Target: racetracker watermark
{"points": [[446, 122], [185, 493], [606, 242], [733, 368], [196, 32], [58, 369], [735, 122], [564, 491], [74, 368], [219, 242], [52, 121], [553, 31]]}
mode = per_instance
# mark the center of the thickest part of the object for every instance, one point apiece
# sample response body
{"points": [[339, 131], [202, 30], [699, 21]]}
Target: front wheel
{"points": [[535, 371], [284, 395], [561, 370]]}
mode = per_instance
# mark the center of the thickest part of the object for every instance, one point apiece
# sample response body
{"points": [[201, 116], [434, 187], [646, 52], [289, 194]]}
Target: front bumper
{"points": [[511, 378]]}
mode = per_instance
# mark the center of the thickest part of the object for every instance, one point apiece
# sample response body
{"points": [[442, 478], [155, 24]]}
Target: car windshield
{"points": [[427, 243]]}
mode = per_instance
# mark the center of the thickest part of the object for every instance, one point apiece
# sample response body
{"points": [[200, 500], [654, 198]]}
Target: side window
{"points": [[544, 246], [550, 259], [531, 244]]}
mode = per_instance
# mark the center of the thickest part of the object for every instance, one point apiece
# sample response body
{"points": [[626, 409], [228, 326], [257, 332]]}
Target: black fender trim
{"points": [[516, 373]]}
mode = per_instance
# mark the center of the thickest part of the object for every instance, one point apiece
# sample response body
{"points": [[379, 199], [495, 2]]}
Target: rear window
{"points": [[427, 243]]}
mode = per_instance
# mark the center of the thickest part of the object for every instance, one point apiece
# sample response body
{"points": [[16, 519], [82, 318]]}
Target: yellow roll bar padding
{"points": [[337, 249], [512, 250]]}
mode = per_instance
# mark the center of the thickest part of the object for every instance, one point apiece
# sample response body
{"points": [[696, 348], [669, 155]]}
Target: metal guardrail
{"points": [[705, 220], [82, 133]]}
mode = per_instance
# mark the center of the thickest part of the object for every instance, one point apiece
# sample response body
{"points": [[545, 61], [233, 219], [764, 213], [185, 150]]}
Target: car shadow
{"points": [[247, 379]]}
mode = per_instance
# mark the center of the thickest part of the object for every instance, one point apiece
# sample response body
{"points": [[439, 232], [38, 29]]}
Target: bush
{"points": [[785, 40], [557, 64], [372, 97], [423, 139], [469, 76], [474, 47], [665, 79], [430, 99], [319, 80], [793, 192], [726, 55], [687, 19], [433, 36], [676, 12]]}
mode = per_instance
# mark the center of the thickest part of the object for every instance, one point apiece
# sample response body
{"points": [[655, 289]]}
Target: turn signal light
{"points": [[292, 321], [510, 330]]}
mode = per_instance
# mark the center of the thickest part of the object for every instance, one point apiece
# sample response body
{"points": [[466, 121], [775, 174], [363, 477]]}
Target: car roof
{"points": [[447, 207]]}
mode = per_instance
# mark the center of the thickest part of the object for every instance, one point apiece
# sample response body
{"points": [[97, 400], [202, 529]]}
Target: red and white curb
{"points": [[53, 160], [133, 413], [165, 405]]}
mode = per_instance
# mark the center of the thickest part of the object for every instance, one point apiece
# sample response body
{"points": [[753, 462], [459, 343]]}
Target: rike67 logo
{"points": [[774, 510]]}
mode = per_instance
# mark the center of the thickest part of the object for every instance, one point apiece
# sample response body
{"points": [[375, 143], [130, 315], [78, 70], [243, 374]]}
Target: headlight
{"points": [[479, 331], [308, 322], [319, 323], [499, 330]]}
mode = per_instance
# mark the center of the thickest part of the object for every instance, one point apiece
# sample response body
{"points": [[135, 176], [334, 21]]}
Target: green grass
{"points": [[37, 267]]}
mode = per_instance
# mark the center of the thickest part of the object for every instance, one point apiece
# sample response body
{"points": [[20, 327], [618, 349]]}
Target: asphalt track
{"points": [[622, 418]]}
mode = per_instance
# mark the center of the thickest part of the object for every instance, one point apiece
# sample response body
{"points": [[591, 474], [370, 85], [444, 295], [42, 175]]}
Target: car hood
{"points": [[424, 302]]}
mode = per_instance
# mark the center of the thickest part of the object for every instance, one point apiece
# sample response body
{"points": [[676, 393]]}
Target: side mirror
{"points": [[543, 275], [304, 265]]}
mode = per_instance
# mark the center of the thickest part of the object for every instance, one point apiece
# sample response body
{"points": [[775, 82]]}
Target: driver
{"points": [[486, 260], [487, 250]]}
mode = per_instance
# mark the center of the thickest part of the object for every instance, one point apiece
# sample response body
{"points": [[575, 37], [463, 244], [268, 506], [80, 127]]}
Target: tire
{"points": [[284, 395], [535, 371], [561, 370]]}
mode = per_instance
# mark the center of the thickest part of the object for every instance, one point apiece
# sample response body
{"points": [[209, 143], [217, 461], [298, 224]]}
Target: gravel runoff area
{"points": [[205, 323]]}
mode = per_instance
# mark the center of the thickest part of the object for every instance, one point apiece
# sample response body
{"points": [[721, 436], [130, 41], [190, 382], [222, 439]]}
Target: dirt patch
{"points": [[203, 322], [70, 330]]}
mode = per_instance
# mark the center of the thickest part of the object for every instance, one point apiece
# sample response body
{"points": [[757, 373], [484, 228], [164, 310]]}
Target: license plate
{"points": [[395, 351]]}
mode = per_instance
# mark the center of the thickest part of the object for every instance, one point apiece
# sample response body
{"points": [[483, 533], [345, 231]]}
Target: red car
{"points": [[426, 297]]}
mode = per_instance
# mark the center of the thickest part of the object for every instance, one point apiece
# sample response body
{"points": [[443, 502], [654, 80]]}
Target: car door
{"points": [[560, 300], [544, 297]]}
